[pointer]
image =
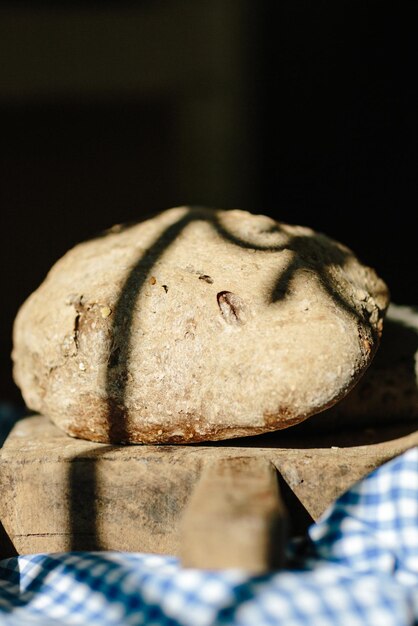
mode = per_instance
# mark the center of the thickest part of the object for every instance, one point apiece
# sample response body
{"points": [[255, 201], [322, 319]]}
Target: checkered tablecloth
{"points": [[357, 566]]}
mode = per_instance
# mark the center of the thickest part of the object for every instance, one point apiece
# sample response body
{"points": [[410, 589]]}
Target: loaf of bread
{"points": [[194, 325]]}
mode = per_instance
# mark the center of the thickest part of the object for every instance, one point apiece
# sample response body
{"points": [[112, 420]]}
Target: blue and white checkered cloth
{"points": [[358, 566]]}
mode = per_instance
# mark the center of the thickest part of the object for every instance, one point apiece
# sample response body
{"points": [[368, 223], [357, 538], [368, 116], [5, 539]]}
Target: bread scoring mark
{"points": [[232, 307]]}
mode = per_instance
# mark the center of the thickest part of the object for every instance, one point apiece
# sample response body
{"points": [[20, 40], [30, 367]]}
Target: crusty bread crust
{"points": [[197, 325]]}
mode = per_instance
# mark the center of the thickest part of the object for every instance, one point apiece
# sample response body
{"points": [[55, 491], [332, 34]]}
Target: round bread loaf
{"points": [[194, 325]]}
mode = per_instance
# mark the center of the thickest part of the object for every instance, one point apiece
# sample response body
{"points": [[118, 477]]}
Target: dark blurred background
{"points": [[302, 110]]}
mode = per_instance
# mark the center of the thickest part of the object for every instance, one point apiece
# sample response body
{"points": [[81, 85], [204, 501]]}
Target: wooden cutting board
{"points": [[226, 504]]}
